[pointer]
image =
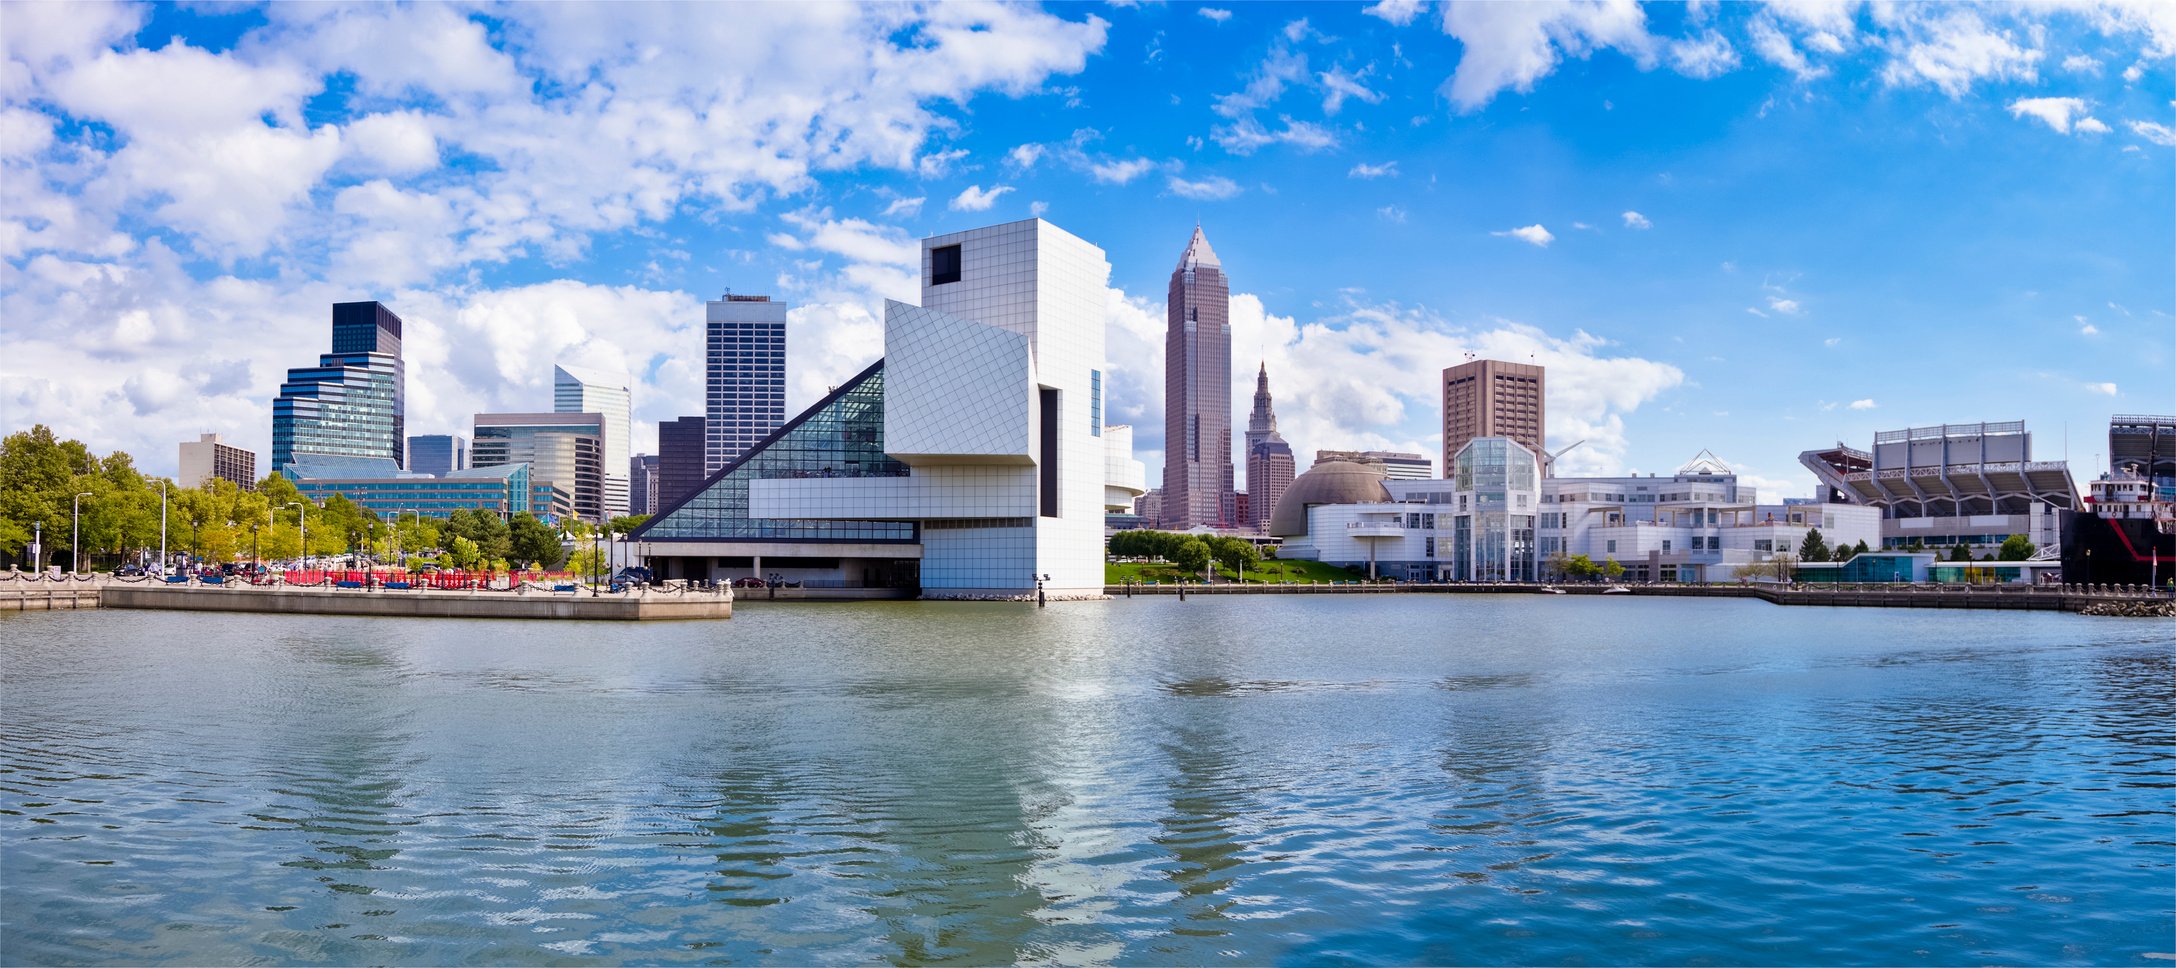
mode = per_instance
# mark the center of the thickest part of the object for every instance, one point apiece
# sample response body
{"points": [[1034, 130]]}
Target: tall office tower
{"points": [[642, 484], [353, 402], [207, 457], [1198, 392], [1269, 459], [437, 454], [744, 375], [1491, 398], [1151, 508], [680, 450], [564, 449], [579, 389]]}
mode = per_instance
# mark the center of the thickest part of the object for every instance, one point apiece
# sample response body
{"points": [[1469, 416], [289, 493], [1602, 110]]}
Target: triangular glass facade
{"points": [[841, 436]]}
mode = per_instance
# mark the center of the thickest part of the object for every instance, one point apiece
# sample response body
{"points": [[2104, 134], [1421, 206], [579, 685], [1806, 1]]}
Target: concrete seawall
{"points": [[628, 607], [2049, 598]]}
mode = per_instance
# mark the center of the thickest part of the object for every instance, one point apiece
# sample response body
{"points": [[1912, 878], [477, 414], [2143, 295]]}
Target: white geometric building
{"points": [[1124, 479], [972, 457]]}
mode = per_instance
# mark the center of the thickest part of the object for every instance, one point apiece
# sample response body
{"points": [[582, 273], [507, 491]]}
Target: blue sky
{"points": [[1753, 228]]}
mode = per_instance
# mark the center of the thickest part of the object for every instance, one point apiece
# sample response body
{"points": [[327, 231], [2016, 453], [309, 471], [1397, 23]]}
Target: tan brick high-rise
{"points": [[1491, 398]]}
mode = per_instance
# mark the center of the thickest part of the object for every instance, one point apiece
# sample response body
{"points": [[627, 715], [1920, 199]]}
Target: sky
{"points": [[1750, 228]]}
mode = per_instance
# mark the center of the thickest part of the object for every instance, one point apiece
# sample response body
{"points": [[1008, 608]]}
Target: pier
{"points": [[2050, 598], [520, 602]]}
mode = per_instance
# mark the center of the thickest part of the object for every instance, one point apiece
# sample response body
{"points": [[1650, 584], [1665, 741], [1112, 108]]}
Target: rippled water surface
{"points": [[1394, 779]]}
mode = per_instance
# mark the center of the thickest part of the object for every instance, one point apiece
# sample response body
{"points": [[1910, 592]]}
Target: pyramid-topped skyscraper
{"points": [[1198, 393], [1269, 458]]}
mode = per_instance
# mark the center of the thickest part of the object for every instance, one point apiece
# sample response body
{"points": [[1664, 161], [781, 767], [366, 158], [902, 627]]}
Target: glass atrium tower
{"points": [[1497, 484], [352, 403]]}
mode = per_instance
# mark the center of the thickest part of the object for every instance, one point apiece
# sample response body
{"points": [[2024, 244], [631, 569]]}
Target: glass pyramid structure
{"points": [[841, 436]]}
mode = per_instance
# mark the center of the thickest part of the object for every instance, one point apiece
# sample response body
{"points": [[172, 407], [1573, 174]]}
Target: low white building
{"points": [[1698, 525]]}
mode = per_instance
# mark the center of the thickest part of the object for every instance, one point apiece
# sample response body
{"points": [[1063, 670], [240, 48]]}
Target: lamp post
{"points": [[162, 527], [1040, 600], [75, 536], [302, 524]]}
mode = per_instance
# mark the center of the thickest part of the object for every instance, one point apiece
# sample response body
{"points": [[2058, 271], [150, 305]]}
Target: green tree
{"points": [[2015, 548], [588, 559], [1860, 548], [463, 552], [626, 523], [1234, 553], [533, 542], [484, 528], [1581, 566], [1814, 548], [1191, 555], [1612, 570], [1960, 553]]}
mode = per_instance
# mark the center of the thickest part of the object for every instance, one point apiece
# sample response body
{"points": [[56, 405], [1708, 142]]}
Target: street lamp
{"points": [[162, 527], [75, 536], [302, 524], [1040, 600]]}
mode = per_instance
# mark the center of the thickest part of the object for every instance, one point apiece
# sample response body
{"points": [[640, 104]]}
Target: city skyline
{"points": [[1751, 229]]}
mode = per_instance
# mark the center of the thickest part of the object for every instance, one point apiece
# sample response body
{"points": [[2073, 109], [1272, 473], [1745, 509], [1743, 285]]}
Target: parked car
{"points": [[129, 571], [748, 583], [634, 575]]}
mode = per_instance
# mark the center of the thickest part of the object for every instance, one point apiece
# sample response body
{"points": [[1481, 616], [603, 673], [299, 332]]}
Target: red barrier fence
{"points": [[444, 579]]}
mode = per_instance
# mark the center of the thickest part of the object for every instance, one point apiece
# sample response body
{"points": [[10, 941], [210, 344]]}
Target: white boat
{"points": [[1616, 590], [1551, 590]]}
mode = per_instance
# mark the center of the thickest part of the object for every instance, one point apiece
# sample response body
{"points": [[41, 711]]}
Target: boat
{"points": [[2125, 534], [1617, 590], [1551, 590]]}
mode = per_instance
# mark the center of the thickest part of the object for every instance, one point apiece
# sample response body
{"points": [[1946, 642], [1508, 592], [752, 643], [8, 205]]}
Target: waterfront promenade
{"points": [[522, 601], [2047, 598]]}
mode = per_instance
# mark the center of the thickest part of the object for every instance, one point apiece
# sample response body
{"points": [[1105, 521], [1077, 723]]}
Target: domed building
{"points": [[1330, 482]]}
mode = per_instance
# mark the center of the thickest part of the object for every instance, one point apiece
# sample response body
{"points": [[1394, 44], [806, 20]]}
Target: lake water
{"points": [[1241, 780]]}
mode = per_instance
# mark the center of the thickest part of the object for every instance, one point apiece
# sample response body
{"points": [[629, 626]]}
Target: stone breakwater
{"points": [[2165, 608]]}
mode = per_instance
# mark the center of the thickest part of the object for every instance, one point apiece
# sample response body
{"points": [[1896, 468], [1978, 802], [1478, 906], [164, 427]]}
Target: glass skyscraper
{"points": [[437, 454], [579, 389], [1198, 393], [352, 403], [744, 375], [563, 449]]}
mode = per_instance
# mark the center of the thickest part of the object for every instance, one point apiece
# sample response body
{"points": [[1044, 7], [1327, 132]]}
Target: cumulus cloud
{"points": [[1391, 213], [908, 207], [1211, 188], [1214, 13], [1634, 220], [1024, 156], [2104, 389], [1398, 12], [1247, 135], [1867, 404], [1531, 234], [1116, 172], [1788, 307], [1708, 55], [975, 198], [1950, 47], [1509, 46], [1338, 85], [2055, 112], [1388, 169]]}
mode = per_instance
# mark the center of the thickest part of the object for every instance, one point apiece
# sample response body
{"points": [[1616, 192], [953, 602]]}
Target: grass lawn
{"points": [[1267, 571]]}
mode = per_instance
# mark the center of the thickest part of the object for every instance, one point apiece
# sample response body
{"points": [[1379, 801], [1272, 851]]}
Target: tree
{"points": [[1582, 567], [1960, 553], [533, 542], [1612, 570], [1860, 548], [587, 560], [464, 553], [2016, 548], [1815, 547], [489, 533], [1234, 553], [626, 523], [1191, 555]]}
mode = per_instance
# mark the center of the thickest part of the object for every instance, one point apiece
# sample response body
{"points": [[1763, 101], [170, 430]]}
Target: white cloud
{"points": [[2133, 73], [1338, 85], [908, 207], [1037, 208], [974, 198], [2155, 132], [2092, 126], [1211, 188], [1120, 172], [1634, 220], [1833, 342], [1266, 84], [2081, 64], [1951, 50], [1863, 404], [1247, 135], [2055, 112], [938, 164], [1532, 234], [1775, 46], [1709, 55], [1215, 14], [1391, 213], [1024, 156], [1512, 45], [1388, 169], [396, 142], [2104, 389], [1788, 307], [2087, 329], [1398, 12]]}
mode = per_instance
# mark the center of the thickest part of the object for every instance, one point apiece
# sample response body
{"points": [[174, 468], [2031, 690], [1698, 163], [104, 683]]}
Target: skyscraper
{"points": [[353, 402], [564, 449], [680, 448], [744, 375], [1269, 458], [208, 457], [437, 454], [642, 484], [579, 389], [1491, 398], [1198, 392]]}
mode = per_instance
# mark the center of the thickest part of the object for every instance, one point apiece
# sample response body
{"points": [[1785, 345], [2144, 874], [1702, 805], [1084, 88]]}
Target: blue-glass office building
{"points": [[352, 403]]}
